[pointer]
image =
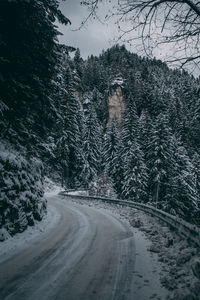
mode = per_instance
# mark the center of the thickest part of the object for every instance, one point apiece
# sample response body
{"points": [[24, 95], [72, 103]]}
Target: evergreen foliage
{"points": [[29, 55], [55, 108], [135, 170], [21, 191], [69, 146], [92, 140], [112, 159], [159, 157], [111, 148], [135, 175], [182, 196], [152, 156]]}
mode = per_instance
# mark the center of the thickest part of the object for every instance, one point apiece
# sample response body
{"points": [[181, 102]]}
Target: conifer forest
{"points": [[99, 156], [118, 124]]}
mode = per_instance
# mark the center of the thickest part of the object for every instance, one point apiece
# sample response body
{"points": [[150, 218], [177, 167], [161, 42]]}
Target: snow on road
{"points": [[88, 250], [20, 241], [175, 260]]}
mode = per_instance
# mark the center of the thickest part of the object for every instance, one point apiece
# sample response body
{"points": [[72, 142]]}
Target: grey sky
{"points": [[95, 36], [91, 39]]}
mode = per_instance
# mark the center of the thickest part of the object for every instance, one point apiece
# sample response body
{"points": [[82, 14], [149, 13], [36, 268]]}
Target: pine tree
{"points": [[196, 164], [182, 197], [112, 158], [135, 174], [145, 127], [159, 158], [135, 171], [78, 61], [92, 142], [111, 149], [28, 59], [28, 56], [130, 126], [67, 130], [193, 138]]}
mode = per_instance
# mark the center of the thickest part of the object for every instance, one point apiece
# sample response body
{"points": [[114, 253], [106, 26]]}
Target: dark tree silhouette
{"points": [[158, 22]]}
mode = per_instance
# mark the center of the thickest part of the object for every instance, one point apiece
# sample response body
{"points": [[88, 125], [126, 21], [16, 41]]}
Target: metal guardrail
{"points": [[183, 228]]}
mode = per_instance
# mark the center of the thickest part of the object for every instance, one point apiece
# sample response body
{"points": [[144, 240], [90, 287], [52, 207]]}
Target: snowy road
{"points": [[90, 254]]}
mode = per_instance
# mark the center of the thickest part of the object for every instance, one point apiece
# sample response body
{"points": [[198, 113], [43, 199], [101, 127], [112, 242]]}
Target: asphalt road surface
{"points": [[91, 254]]}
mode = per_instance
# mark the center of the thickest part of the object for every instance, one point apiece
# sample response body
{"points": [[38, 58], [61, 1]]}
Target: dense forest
{"points": [[118, 125], [150, 144]]}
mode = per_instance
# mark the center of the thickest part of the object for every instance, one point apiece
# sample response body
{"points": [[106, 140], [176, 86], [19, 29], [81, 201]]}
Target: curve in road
{"points": [[91, 254]]}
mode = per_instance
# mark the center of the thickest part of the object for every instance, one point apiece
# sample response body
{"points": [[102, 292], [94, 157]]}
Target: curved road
{"points": [[90, 254]]}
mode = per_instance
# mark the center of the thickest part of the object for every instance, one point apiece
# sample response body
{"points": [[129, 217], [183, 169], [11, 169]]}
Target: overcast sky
{"points": [[95, 36], [91, 39]]}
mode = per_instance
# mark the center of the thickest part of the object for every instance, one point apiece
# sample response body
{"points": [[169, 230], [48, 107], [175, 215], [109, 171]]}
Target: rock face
{"points": [[79, 95], [116, 104]]}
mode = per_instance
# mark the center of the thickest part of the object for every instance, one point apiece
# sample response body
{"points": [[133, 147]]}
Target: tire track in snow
{"points": [[89, 255]]}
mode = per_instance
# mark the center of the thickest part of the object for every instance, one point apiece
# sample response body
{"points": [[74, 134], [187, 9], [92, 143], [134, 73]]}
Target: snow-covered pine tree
{"points": [[193, 122], [135, 171], [28, 59], [21, 191], [111, 150], [92, 144], [182, 197], [28, 56], [159, 158], [135, 174], [112, 156], [130, 125], [78, 62], [196, 164], [145, 127], [67, 130]]}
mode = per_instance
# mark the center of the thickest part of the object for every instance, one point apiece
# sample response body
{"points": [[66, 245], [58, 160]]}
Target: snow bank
{"points": [[180, 261], [15, 244], [51, 188], [21, 192]]}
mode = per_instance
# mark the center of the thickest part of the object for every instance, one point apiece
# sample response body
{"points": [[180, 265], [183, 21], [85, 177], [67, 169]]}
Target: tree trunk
{"points": [[157, 194]]}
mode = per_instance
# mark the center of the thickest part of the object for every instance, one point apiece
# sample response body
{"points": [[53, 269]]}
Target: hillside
{"points": [[149, 116], [117, 124]]}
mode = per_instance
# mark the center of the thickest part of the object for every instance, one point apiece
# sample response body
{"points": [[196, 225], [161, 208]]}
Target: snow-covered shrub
{"points": [[51, 186], [103, 186], [21, 191]]}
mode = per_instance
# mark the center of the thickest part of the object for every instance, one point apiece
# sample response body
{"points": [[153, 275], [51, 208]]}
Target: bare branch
{"points": [[160, 22]]}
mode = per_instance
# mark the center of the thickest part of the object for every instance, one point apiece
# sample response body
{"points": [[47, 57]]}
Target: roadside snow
{"points": [[176, 261], [78, 193], [15, 244], [177, 256], [51, 188]]}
